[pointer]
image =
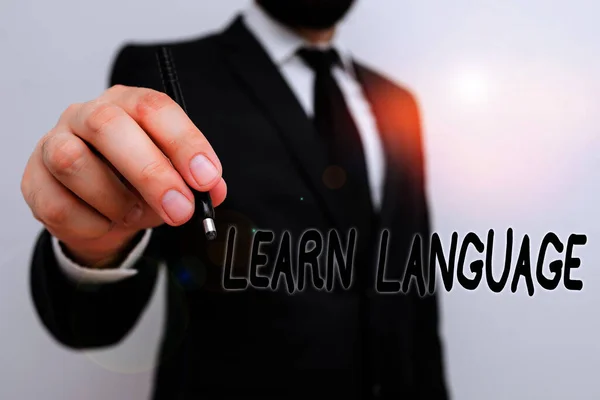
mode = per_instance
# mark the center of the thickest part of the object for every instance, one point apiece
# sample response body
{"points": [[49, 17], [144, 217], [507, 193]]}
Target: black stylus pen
{"points": [[172, 88]]}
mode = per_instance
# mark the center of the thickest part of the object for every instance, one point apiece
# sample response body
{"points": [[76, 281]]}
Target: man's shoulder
{"points": [[385, 86], [139, 49], [135, 63], [394, 103]]}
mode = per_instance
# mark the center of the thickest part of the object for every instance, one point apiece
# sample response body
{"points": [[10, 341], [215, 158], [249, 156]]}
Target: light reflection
{"points": [[505, 133], [471, 87]]}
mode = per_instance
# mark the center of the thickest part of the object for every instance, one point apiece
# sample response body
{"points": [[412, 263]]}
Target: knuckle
{"points": [[24, 186], [72, 108], [118, 88], [99, 114], [153, 170], [153, 100], [70, 111], [36, 217], [32, 199], [29, 194], [26, 178], [54, 214], [43, 142], [65, 157]]}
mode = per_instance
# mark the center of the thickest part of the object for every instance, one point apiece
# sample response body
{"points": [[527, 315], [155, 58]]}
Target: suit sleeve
{"points": [[82, 315], [428, 359]]}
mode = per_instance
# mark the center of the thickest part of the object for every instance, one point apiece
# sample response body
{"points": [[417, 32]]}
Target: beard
{"points": [[312, 14]]}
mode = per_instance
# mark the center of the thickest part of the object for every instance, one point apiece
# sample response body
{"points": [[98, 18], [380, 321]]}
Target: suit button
{"points": [[376, 390]]}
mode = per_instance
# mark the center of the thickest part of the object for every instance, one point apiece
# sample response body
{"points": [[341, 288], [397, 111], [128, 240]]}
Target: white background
{"points": [[510, 98]]}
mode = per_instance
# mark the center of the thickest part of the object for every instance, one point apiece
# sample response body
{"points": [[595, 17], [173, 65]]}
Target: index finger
{"points": [[173, 132]]}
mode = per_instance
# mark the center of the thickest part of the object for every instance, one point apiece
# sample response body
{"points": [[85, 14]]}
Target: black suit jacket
{"points": [[262, 343]]}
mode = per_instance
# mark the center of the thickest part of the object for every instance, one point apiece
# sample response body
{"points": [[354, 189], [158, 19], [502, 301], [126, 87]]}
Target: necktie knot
{"points": [[320, 60]]}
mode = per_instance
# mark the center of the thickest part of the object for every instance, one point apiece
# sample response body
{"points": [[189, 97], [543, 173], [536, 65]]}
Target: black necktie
{"points": [[336, 126], [347, 174]]}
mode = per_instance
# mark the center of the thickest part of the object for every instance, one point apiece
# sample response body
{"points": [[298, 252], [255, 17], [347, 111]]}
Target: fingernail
{"points": [[133, 216], [203, 170], [177, 206]]}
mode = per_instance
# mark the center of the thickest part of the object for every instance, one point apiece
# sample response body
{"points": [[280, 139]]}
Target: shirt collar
{"points": [[280, 42]]}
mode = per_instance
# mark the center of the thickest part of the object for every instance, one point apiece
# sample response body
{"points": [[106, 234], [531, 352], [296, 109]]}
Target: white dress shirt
{"points": [[281, 44]]}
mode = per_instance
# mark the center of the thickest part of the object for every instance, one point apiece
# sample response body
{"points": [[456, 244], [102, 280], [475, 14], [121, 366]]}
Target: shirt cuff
{"points": [[85, 275]]}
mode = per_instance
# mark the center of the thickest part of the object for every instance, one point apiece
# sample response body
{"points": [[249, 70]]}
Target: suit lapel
{"points": [[261, 77]]}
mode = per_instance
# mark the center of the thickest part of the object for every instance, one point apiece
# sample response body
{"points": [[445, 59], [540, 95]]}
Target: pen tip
{"points": [[212, 235], [209, 229]]}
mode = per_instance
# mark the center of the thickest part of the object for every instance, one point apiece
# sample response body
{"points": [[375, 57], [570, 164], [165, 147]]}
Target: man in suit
{"points": [[306, 138]]}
